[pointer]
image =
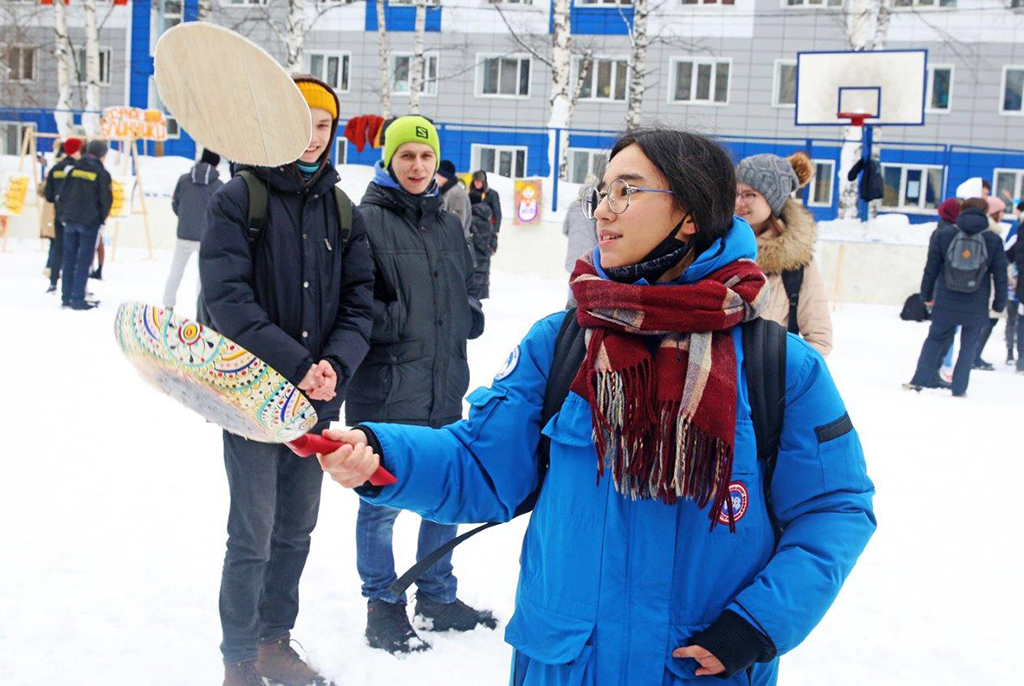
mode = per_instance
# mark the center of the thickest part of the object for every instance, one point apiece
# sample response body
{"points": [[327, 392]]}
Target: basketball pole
{"points": [[866, 140]]}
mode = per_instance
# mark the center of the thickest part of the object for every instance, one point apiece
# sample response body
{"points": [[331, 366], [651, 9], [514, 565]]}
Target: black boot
{"points": [[388, 628], [97, 273], [455, 616], [983, 365]]}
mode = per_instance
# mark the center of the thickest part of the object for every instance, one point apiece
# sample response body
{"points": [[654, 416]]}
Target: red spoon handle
{"points": [[310, 444]]}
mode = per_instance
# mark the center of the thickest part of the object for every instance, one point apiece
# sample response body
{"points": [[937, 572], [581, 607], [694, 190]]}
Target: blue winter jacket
{"points": [[609, 586]]}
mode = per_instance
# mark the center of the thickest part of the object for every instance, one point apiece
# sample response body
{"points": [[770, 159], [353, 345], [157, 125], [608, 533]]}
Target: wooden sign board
{"points": [[133, 123], [528, 201], [13, 193]]}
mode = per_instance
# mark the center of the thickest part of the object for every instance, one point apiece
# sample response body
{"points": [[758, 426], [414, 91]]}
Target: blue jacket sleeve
{"points": [[349, 340], [225, 270], [821, 498], [479, 469]]}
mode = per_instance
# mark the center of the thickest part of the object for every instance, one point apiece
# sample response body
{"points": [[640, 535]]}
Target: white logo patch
{"points": [[510, 365]]}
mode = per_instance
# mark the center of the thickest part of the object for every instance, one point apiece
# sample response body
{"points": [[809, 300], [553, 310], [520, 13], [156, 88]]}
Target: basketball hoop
{"points": [[856, 118]]}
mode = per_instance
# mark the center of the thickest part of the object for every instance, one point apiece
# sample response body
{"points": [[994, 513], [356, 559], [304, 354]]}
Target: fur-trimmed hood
{"points": [[794, 247]]}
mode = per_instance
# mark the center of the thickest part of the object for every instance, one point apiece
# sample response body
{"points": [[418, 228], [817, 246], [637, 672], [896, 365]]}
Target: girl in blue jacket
{"points": [[650, 558]]}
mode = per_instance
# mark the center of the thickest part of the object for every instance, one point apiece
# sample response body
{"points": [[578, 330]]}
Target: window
{"points": [[341, 151], [244, 3], [173, 130], [104, 66], [585, 161], [940, 87], [604, 79], [500, 159], [784, 92], [504, 77], [820, 192], [330, 67], [170, 13], [21, 61], [412, 2], [1013, 90], [592, 3], [924, 4], [702, 82], [1008, 181], [401, 74], [523, 2], [709, 2], [12, 133], [812, 3], [912, 187]]}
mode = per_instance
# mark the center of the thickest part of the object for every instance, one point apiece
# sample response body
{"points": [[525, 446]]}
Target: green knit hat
{"points": [[409, 129]]}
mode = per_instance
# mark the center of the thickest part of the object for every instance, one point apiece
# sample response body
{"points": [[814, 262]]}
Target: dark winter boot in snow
{"points": [[1020, 365], [455, 616], [983, 365], [97, 273], [279, 663], [242, 674], [388, 628]]}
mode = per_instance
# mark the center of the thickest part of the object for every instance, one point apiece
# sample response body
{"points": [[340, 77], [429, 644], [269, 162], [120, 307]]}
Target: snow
{"points": [[114, 504], [888, 228]]}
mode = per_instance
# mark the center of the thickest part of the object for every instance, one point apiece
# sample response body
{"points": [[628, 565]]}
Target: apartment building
{"points": [[722, 67]]}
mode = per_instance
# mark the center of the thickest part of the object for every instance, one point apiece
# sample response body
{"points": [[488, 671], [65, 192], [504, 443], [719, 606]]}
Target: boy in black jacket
{"points": [[54, 180], [83, 203], [300, 297]]}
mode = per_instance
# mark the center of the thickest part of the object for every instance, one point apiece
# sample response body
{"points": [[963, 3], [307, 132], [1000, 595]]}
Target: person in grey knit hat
{"points": [[772, 176], [97, 148]]}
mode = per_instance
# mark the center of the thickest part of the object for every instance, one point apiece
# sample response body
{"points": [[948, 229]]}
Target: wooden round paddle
{"points": [[230, 95]]}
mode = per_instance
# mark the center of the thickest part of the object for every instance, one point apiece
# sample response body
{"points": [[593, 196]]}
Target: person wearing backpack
{"points": [[425, 309], [286, 273], [191, 195], [653, 553], [965, 262], [785, 232]]}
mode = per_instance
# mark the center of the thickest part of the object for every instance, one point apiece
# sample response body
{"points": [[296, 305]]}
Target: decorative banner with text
{"points": [[13, 191], [528, 201], [121, 188], [125, 123]]}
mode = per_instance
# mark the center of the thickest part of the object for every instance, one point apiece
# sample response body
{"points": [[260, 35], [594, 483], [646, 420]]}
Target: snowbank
{"points": [[888, 228]]}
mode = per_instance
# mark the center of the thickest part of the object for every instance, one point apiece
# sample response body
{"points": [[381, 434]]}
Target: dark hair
{"points": [[1020, 206], [700, 175], [975, 204], [986, 185]]}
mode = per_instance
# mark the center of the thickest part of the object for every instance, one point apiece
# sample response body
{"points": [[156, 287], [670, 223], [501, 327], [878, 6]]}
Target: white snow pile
{"points": [[888, 228]]}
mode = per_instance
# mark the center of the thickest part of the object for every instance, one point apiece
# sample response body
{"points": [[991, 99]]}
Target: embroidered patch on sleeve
{"points": [[510, 365]]}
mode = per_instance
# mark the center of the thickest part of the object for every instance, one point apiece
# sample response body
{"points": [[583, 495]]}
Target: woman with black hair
{"points": [[657, 562]]}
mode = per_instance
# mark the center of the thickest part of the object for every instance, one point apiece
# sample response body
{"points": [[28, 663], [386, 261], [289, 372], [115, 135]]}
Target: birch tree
{"points": [[62, 56], [291, 33], [561, 106], [417, 65], [91, 117], [383, 57], [205, 10], [294, 36], [637, 64]]}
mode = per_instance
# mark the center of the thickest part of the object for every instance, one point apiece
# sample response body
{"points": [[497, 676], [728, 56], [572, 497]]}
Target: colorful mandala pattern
{"points": [[212, 375]]}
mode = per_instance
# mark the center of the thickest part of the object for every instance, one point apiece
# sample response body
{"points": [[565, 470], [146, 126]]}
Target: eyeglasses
{"points": [[618, 195]]}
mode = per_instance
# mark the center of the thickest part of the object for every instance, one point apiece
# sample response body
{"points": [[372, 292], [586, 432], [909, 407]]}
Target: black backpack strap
{"points": [[569, 352], [764, 360], [792, 281], [344, 216], [259, 197]]}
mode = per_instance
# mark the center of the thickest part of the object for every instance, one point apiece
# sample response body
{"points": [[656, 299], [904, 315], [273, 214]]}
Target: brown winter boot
{"points": [[242, 674], [279, 662]]}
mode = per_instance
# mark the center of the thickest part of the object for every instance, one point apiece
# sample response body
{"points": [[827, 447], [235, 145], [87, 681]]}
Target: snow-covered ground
{"points": [[113, 504]]}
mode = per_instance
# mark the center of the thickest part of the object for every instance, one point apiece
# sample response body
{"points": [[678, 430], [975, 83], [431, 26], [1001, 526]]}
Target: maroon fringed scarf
{"points": [[664, 424]]}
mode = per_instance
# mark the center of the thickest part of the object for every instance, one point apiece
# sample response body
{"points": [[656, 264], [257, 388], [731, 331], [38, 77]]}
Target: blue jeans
{"points": [[79, 248], [275, 499], [947, 361], [375, 557]]}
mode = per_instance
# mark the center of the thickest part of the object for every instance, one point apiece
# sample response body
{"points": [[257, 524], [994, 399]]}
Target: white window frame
{"points": [[777, 81], [525, 3], [808, 5], [700, 4], [929, 86], [713, 61], [481, 66], [574, 76], [327, 54], [242, 3], [831, 184], [903, 206], [412, 2], [21, 126], [476, 148], [923, 5], [1002, 92], [598, 4], [340, 150], [1018, 184], [35, 62], [591, 154], [81, 67], [429, 87]]}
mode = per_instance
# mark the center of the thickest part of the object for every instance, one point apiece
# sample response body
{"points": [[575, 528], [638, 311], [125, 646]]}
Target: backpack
{"points": [[914, 309], [792, 281], [764, 360], [256, 221], [966, 262]]}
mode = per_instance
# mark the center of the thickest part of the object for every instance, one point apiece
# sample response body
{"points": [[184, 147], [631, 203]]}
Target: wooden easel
{"points": [[29, 149], [137, 186]]}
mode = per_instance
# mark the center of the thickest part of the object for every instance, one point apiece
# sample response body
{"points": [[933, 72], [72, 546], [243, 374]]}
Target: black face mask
{"points": [[663, 257]]}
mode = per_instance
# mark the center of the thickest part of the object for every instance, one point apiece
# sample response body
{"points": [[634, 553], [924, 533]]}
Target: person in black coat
{"points": [[54, 179], [425, 309], [301, 299], [83, 204], [969, 310], [485, 243], [191, 195]]}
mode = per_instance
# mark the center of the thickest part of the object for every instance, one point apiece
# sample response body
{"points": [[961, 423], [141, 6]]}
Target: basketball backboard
{"points": [[888, 85]]}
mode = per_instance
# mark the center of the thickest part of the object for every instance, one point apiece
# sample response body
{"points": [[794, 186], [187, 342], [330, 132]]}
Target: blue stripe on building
{"points": [[401, 17], [596, 21]]}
